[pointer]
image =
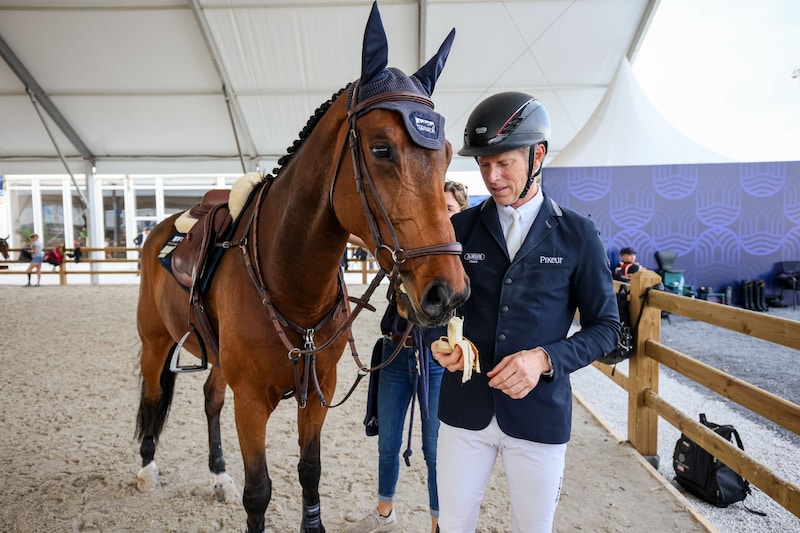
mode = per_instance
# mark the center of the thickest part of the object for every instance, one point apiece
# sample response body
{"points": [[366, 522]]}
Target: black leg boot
{"points": [[748, 294], [762, 296], [756, 300]]}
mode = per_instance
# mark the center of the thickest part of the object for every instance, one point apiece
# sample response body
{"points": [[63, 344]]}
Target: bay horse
{"points": [[371, 162]]}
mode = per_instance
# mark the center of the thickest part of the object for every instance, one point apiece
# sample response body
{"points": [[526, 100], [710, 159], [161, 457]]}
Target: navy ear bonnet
{"points": [[424, 125]]}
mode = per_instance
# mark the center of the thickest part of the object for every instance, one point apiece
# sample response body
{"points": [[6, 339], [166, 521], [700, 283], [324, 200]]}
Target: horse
{"points": [[4, 247], [370, 162]]}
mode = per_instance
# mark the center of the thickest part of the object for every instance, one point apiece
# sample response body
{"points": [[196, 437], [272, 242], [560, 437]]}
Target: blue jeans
{"points": [[395, 389]]}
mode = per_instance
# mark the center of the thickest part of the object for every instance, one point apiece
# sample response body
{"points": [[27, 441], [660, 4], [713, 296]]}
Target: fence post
{"points": [[643, 371], [62, 268]]}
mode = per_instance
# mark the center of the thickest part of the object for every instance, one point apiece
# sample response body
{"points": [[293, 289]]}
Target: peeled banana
{"points": [[455, 337]]}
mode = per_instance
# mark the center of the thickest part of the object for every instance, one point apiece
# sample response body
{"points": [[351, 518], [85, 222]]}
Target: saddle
{"points": [[193, 254], [209, 220], [193, 262]]}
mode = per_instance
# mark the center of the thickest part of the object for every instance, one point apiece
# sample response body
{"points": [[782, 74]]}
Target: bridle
{"points": [[364, 182], [365, 186]]}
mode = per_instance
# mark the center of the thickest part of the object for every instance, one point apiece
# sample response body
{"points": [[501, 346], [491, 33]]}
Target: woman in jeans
{"points": [[397, 384]]}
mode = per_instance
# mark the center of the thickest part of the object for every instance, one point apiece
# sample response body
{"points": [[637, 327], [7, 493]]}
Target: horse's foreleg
{"points": [[251, 425], [309, 468], [158, 385], [214, 390]]}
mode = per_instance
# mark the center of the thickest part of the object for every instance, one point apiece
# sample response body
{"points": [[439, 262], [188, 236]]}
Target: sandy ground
{"points": [[68, 401]]}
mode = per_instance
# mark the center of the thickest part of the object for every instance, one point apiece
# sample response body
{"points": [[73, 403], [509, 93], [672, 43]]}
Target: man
{"points": [[518, 315], [627, 265]]}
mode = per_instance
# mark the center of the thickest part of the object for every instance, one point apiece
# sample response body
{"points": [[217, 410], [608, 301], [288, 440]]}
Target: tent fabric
{"points": [[627, 130], [156, 85]]}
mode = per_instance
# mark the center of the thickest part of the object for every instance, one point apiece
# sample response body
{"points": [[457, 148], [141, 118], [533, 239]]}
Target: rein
{"points": [[364, 183]]}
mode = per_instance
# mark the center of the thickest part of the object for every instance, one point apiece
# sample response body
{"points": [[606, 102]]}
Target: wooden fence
{"points": [[641, 383], [121, 260]]}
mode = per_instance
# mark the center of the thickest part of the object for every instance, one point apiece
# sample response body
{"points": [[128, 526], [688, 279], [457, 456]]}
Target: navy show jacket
{"points": [[562, 266]]}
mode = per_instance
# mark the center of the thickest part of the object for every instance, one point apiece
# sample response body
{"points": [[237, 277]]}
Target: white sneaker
{"points": [[374, 523]]}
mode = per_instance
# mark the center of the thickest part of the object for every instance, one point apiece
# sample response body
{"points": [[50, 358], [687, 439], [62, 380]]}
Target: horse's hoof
{"points": [[225, 489], [147, 478]]}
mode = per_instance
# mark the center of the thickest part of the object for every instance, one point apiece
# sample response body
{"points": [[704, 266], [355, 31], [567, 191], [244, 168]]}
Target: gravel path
{"points": [[769, 366]]}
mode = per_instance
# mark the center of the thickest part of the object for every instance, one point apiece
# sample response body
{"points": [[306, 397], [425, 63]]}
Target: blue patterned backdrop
{"points": [[728, 222]]}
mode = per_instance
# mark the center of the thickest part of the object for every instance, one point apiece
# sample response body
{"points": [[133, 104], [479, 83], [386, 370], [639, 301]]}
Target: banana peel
{"points": [[455, 337]]}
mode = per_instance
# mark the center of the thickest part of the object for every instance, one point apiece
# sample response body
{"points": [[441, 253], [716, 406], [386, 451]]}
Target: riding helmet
{"points": [[503, 122]]}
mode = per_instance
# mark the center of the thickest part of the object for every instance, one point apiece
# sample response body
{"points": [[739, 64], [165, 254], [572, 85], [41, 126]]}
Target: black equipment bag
{"points": [[703, 475]]}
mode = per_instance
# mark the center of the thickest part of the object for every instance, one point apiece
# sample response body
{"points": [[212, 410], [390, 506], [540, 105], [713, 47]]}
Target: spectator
{"points": [[36, 248], [627, 266], [77, 253], [397, 383], [531, 264], [139, 241]]}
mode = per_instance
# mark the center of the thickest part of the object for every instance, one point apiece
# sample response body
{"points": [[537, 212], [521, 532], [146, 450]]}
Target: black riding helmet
{"points": [[504, 122]]}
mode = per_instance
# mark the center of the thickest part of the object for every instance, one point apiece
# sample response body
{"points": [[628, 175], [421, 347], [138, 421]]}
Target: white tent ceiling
{"points": [[140, 86]]}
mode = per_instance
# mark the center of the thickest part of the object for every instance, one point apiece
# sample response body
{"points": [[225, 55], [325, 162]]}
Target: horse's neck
{"points": [[305, 242], [301, 244]]}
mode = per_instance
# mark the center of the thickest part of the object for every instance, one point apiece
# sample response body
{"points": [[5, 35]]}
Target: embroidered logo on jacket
{"points": [[474, 257], [543, 259]]}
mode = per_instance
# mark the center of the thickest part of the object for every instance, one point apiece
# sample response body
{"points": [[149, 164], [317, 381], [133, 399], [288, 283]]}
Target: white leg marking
{"points": [[225, 489], [147, 478]]}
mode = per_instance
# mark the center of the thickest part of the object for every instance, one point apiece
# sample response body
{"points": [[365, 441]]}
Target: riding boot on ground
{"points": [[747, 293], [760, 296]]}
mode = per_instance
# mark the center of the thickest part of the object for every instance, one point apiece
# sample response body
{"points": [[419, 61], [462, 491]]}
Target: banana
{"points": [[455, 337]]}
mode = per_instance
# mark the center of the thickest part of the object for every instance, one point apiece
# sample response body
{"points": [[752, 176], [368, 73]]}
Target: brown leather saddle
{"points": [[213, 221], [193, 262]]}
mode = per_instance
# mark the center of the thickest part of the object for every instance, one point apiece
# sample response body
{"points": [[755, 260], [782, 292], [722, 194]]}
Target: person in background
{"points": [[531, 265], [36, 248], [397, 383], [139, 241], [76, 253], [627, 265]]}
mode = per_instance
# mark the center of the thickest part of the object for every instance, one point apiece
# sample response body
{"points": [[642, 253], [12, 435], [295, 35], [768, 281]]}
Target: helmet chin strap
{"points": [[531, 174]]}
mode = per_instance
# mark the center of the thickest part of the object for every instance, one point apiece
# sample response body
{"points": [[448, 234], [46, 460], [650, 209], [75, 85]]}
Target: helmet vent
{"points": [[511, 125]]}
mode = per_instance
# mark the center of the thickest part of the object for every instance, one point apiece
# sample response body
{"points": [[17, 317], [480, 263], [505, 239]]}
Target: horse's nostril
{"points": [[438, 299]]}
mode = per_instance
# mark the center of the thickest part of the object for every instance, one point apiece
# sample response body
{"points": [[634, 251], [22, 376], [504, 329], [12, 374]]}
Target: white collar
{"points": [[527, 213]]}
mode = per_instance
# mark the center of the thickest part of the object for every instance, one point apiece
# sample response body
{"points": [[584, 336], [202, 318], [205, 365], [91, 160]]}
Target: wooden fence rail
{"points": [[641, 383], [121, 260]]}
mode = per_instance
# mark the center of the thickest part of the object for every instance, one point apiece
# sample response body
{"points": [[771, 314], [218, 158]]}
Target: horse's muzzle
{"points": [[436, 305]]}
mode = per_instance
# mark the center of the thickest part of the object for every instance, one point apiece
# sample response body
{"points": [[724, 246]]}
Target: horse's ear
{"points": [[430, 71], [375, 53]]}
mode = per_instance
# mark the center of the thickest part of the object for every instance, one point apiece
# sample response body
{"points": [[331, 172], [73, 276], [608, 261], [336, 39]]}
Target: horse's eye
{"points": [[381, 151]]}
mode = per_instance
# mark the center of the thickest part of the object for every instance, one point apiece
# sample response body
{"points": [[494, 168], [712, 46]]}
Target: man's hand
{"points": [[455, 339], [452, 360], [517, 374]]}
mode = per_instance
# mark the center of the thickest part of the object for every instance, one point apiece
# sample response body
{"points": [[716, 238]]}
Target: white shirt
{"points": [[527, 211]]}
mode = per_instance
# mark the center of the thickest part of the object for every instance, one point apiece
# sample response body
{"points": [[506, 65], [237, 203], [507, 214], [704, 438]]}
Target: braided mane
{"points": [[306, 131]]}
